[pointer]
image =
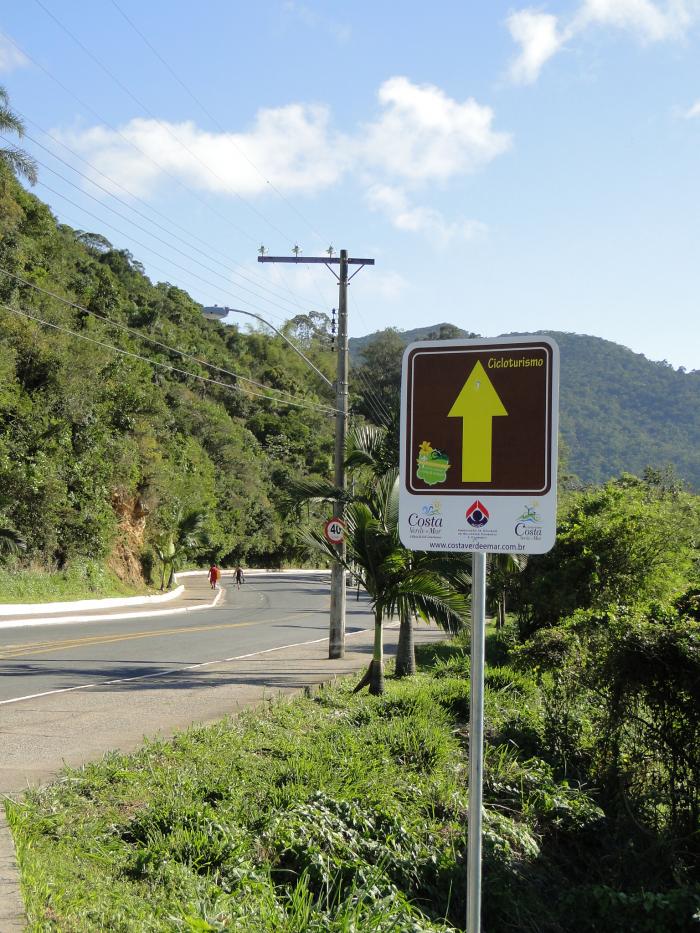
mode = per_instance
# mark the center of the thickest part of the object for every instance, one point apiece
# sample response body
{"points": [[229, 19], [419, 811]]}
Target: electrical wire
{"points": [[214, 120], [138, 242], [133, 146], [209, 250], [138, 226], [141, 336], [130, 143], [152, 115], [168, 366]]}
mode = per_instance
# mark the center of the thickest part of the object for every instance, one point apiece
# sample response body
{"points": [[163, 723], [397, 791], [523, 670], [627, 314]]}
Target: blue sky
{"points": [[509, 167]]}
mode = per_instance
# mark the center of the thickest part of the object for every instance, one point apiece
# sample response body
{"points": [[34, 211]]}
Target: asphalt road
{"points": [[269, 611]]}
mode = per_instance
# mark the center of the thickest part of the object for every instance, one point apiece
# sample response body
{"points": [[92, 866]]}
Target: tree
{"points": [[395, 579], [172, 547], [373, 452], [627, 542], [503, 570], [13, 158], [380, 375]]}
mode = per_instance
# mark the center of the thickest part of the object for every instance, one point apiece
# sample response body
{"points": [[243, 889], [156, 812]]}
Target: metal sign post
{"points": [[476, 742], [479, 425]]}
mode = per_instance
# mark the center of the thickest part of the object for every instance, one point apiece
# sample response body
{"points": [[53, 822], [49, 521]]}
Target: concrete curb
{"points": [[12, 915], [14, 610], [32, 621], [29, 609]]}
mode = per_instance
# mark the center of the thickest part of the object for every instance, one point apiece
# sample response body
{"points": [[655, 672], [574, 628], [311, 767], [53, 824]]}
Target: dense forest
{"points": [[113, 435], [619, 411]]}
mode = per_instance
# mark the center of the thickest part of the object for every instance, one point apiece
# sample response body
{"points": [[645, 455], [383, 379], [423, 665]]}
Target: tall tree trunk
{"points": [[376, 679], [405, 654]]}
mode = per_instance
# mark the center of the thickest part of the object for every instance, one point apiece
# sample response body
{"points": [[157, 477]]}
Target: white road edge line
{"points": [[176, 670]]}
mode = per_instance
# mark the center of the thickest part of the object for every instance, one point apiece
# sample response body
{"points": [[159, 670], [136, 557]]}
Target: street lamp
{"points": [[279, 333]]}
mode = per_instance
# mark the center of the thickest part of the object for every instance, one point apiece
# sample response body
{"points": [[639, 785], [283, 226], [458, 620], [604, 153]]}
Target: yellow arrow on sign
{"points": [[477, 404]]}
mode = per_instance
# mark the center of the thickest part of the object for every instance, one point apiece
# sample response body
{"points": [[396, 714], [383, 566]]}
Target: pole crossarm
{"points": [[325, 260]]}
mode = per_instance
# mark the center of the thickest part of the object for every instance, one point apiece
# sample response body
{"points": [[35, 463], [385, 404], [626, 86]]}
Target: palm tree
{"points": [[503, 570], [13, 158], [396, 580], [172, 546], [372, 455], [372, 451]]}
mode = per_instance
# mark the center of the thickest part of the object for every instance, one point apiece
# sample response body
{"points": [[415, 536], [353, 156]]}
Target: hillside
{"points": [[109, 437], [619, 410]]}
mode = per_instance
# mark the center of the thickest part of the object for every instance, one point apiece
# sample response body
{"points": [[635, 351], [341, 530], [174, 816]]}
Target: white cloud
{"points": [[10, 56], [310, 18], [539, 39], [386, 285], [420, 136], [291, 146], [651, 23], [424, 135], [542, 35], [693, 111], [394, 204]]}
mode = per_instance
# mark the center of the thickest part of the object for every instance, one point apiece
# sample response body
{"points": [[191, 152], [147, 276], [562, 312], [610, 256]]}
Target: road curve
{"points": [[268, 611]]}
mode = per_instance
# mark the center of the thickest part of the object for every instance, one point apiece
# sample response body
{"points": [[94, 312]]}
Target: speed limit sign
{"points": [[334, 530]]}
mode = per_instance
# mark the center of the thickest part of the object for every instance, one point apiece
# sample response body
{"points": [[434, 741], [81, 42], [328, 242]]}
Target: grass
{"points": [[332, 813], [82, 581]]}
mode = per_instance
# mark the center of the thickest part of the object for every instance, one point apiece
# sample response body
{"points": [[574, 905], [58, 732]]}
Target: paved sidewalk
{"points": [[39, 737]]}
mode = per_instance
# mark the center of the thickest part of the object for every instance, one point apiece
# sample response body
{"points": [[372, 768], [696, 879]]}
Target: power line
{"points": [[138, 226], [139, 213], [160, 123], [151, 362], [144, 245], [130, 142], [136, 148], [152, 340], [214, 119]]}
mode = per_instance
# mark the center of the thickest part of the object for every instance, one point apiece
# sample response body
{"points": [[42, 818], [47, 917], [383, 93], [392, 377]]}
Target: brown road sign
{"points": [[479, 417]]}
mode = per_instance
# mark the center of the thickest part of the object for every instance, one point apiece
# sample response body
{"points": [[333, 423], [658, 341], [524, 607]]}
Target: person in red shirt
{"points": [[214, 574]]}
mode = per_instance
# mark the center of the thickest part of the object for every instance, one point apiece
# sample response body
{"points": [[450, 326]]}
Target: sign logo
{"points": [[432, 464], [477, 514], [527, 525], [432, 508]]}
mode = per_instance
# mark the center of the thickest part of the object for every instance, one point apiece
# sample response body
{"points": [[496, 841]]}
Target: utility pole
{"points": [[336, 640], [336, 636]]}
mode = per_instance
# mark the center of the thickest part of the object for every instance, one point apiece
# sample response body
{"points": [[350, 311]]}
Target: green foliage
{"points": [[94, 445], [629, 541], [13, 159]]}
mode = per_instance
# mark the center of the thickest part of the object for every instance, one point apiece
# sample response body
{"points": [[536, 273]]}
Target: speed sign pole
{"points": [[479, 424]]}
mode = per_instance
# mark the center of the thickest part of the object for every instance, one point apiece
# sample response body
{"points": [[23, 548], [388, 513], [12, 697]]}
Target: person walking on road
{"points": [[214, 574], [239, 577]]}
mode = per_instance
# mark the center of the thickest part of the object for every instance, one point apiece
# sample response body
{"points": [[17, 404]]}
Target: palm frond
{"points": [[319, 490], [11, 541], [364, 446], [20, 163]]}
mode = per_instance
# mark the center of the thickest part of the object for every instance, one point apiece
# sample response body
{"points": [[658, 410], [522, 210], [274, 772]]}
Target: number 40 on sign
{"points": [[334, 530]]}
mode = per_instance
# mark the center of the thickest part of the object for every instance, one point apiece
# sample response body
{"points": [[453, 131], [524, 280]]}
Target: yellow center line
{"points": [[48, 646]]}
